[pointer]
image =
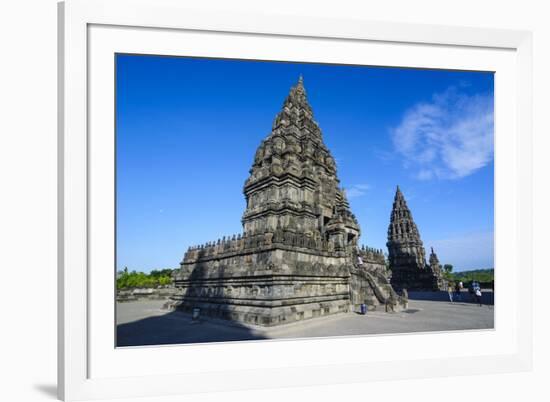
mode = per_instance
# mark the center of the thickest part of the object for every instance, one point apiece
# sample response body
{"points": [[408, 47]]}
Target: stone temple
{"points": [[406, 254], [298, 256]]}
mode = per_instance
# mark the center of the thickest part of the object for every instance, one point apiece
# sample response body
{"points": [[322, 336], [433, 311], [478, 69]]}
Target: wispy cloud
{"points": [[448, 138], [357, 190], [384, 155]]}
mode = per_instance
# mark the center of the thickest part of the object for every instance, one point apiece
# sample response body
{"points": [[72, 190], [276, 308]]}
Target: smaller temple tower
{"points": [[437, 270], [406, 254], [434, 262]]}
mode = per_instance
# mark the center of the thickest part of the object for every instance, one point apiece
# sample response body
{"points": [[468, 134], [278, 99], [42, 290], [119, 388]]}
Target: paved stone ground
{"points": [[145, 323]]}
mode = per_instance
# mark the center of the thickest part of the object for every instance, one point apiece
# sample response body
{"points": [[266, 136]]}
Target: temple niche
{"points": [[298, 256], [406, 255]]}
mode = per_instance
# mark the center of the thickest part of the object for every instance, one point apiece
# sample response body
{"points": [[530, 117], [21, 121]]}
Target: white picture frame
{"points": [[89, 365]]}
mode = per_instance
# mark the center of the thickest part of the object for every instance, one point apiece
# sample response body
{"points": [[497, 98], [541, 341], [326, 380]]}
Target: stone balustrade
{"points": [[240, 243], [369, 254]]}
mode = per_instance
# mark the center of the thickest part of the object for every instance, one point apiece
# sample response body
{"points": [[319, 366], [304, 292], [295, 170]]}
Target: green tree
{"points": [[133, 279], [448, 268]]}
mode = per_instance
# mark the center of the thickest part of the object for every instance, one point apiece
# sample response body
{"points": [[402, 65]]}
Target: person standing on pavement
{"points": [[458, 296], [478, 295]]}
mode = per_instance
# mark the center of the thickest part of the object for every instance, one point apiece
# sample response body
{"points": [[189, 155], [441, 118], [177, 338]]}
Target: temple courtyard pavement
{"points": [[146, 323]]}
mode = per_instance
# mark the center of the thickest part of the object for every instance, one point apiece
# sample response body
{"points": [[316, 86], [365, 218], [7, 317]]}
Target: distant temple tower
{"points": [[407, 257], [434, 262], [437, 271]]}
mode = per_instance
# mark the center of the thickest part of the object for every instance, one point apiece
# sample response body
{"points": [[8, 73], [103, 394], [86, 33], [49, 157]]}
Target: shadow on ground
{"points": [[145, 323], [177, 327]]}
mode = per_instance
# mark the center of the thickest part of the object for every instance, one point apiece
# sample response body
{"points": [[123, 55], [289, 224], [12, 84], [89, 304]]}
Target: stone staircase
{"points": [[379, 291]]}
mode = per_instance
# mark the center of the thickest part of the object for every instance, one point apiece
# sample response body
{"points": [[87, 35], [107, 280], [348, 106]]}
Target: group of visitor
{"points": [[456, 292]]}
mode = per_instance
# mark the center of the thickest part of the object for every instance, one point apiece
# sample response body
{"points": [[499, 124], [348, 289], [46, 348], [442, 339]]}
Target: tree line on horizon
{"points": [[134, 279], [485, 275], [162, 277]]}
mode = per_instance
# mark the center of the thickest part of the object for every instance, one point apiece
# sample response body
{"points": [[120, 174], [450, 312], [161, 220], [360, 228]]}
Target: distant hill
{"points": [[480, 275]]}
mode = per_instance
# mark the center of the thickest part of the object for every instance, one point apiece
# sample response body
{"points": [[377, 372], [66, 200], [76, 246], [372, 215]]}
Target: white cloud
{"points": [[448, 138], [357, 190]]}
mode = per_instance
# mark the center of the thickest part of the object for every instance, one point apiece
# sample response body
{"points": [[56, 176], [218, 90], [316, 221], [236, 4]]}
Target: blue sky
{"points": [[187, 131]]}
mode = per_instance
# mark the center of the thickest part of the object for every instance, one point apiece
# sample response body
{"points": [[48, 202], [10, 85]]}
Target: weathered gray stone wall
{"points": [[277, 284], [267, 287]]}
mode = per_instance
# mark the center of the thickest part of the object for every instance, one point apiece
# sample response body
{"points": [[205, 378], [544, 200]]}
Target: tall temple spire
{"points": [[407, 256], [402, 226], [298, 95], [295, 170], [300, 89], [296, 112], [399, 201]]}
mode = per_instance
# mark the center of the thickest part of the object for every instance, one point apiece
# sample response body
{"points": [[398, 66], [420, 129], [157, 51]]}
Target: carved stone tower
{"points": [[437, 270], [293, 184], [434, 262], [407, 257]]}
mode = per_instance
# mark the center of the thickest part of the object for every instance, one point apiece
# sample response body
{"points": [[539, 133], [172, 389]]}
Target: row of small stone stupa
{"points": [[241, 242], [229, 242]]}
